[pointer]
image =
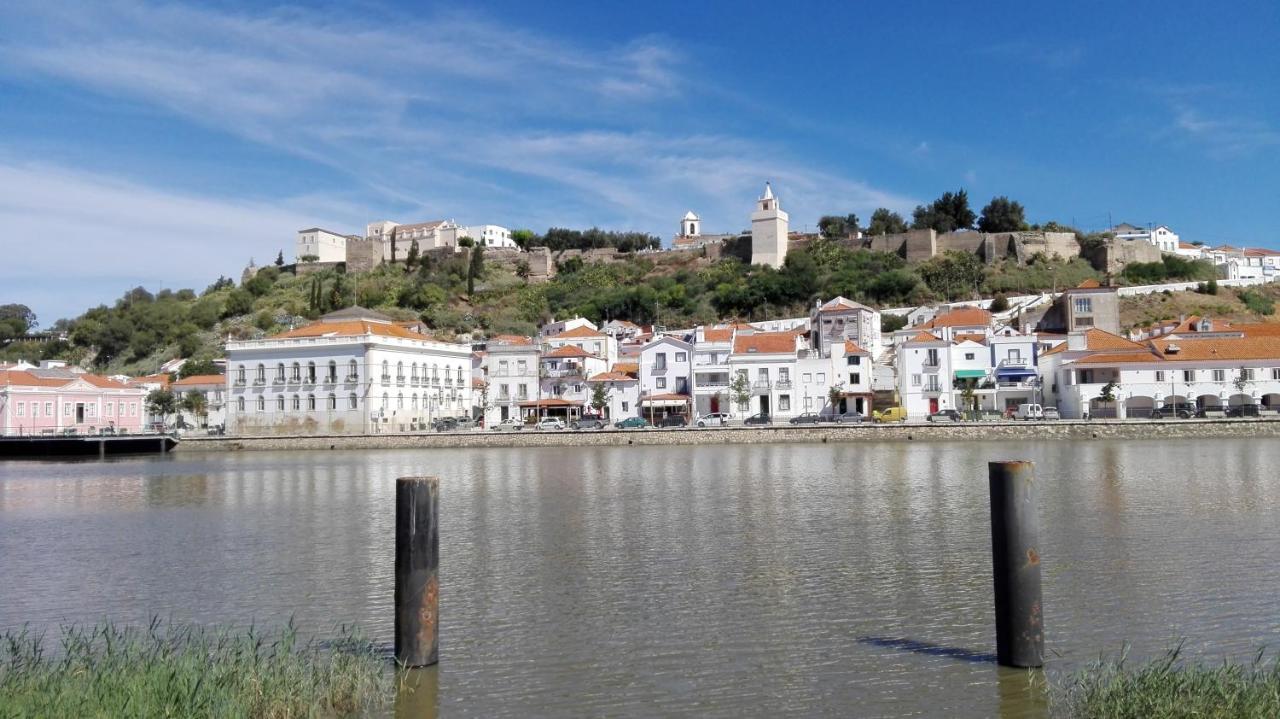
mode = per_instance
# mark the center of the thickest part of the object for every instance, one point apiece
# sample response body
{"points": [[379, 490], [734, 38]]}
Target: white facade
{"points": [[767, 360], [323, 245], [769, 231], [841, 319], [489, 235], [510, 368], [690, 225], [345, 376], [623, 392], [1165, 239], [396, 239], [666, 373]]}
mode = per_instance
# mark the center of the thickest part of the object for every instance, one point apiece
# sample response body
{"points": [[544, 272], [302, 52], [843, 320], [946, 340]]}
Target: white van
{"points": [[1029, 411]]}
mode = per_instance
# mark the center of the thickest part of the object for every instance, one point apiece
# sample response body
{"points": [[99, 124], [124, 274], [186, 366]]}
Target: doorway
{"points": [[933, 405], [764, 405], [79, 413]]}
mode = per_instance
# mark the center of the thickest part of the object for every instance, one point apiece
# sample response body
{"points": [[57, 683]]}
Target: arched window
{"points": [[435, 371], [400, 401], [413, 401], [261, 377], [297, 402], [333, 372], [280, 372], [386, 401], [262, 404], [297, 372], [353, 402], [386, 372], [333, 401], [400, 371], [311, 373], [353, 371], [280, 403], [239, 404], [413, 371], [311, 402]]}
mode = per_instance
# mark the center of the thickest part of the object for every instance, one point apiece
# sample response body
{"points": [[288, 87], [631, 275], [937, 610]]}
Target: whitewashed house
{"points": [[354, 371], [510, 370], [666, 378], [711, 375], [768, 362]]}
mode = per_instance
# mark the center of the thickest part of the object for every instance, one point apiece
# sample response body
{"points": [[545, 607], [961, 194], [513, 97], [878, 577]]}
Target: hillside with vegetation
{"points": [[465, 295], [1243, 304]]}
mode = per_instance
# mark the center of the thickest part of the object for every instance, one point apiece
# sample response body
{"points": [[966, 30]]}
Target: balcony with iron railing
{"points": [[386, 380], [704, 381], [658, 369], [761, 385], [400, 380], [1013, 363], [783, 384]]}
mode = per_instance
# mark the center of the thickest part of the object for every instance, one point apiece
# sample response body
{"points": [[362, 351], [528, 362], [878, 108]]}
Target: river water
{"points": [[835, 579]]}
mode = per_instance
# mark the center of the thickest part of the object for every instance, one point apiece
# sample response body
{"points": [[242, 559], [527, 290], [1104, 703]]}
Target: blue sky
{"points": [[165, 144]]}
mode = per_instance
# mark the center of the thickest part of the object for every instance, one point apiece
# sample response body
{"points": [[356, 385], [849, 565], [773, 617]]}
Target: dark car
{"points": [[1178, 410], [632, 423], [946, 415], [589, 421], [806, 418], [674, 420], [1244, 410], [758, 418], [445, 424]]}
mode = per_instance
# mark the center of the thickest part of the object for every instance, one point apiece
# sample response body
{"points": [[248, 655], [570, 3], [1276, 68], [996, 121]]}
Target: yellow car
{"points": [[893, 414]]}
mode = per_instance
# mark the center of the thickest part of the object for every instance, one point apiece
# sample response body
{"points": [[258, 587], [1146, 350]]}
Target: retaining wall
{"points": [[978, 431]]}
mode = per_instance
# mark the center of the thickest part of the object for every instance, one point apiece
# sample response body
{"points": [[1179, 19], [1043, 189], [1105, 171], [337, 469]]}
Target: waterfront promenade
{"points": [[907, 432]]}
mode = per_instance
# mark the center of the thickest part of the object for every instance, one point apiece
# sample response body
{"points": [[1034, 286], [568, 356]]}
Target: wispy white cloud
{"points": [[1222, 137], [451, 115], [79, 235]]}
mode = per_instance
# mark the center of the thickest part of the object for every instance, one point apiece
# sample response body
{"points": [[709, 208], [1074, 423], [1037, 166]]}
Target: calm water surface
{"points": [[660, 581]]}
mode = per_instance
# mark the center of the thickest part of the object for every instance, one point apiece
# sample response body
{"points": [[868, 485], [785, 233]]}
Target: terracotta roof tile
{"points": [[1230, 348], [717, 334], [611, 377], [852, 348], [970, 337], [201, 379], [960, 317], [352, 328], [567, 351], [765, 343], [925, 337], [578, 332]]}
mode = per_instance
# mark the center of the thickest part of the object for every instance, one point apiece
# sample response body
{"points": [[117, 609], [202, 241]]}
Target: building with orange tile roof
{"points": [[54, 399], [353, 371], [214, 388]]}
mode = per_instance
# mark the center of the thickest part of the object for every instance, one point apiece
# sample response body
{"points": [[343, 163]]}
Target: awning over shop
{"points": [[1016, 372], [665, 400], [548, 403], [970, 373]]}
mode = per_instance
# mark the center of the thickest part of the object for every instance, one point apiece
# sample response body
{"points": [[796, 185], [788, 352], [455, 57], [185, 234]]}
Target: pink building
{"points": [[52, 400]]}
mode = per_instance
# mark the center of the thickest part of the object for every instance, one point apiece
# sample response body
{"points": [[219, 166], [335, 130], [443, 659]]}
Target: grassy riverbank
{"points": [[188, 671], [1170, 687]]}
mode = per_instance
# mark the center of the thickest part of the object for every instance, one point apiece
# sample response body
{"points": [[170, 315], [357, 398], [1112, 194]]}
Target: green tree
{"points": [[163, 403], [1002, 215], [197, 404], [836, 227], [599, 397], [524, 239], [476, 269], [886, 222], [523, 271], [954, 274], [1108, 393], [239, 302], [1241, 382], [999, 303], [465, 241], [280, 259], [193, 367], [946, 214], [835, 393], [740, 390], [411, 259], [16, 320]]}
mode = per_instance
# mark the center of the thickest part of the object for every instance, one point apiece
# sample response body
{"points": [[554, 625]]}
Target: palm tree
{"points": [[196, 403]]}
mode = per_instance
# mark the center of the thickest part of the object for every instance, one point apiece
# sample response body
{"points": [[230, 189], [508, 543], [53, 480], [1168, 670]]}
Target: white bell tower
{"points": [[769, 228], [691, 225]]}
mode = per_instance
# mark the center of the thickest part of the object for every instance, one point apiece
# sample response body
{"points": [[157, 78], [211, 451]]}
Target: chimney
{"points": [[1077, 341]]}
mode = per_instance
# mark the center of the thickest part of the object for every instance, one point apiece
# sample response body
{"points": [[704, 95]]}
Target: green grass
{"points": [[172, 670], [1170, 687]]}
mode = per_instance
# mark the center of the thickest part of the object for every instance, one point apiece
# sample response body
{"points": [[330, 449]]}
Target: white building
{"points": [[1202, 366], [214, 389], [511, 372], [622, 391], [711, 349], [396, 239], [489, 235], [767, 363], [769, 228], [666, 378], [354, 371], [1165, 239], [320, 244]]}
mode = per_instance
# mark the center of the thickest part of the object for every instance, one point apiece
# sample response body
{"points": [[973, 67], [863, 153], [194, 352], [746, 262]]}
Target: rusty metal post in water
{"points": [[417, 600], [1015, 559]]}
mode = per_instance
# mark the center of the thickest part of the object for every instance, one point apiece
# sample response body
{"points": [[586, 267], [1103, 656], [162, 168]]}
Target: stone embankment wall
{"points": [[985, 431], [920, 245]]}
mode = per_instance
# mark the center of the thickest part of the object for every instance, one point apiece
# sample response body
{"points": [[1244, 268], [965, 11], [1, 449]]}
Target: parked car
{"points": [[550, 423], [946, 415], [849, 417], [1028, 411], [806, 418], [464, 423], [1050, 413], [589, 421], [632, 423], [445, 424], [674, 420], [1244, 410], [758, 418], [714, 419], [892, 414], [1174, 410], [508, 425]]}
